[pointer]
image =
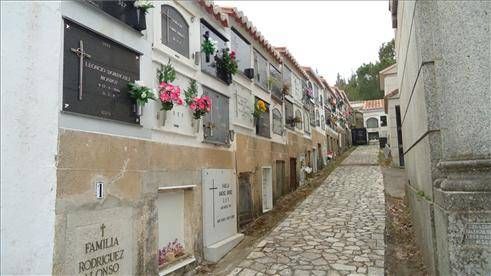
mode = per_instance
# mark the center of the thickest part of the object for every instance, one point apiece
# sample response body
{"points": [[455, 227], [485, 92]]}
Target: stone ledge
{"points": [[462, 201], [216, 251], [465, 164], [174, 267]]}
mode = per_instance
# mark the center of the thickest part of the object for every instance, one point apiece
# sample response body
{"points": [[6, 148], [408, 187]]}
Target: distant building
{"points": [[375, 119]]}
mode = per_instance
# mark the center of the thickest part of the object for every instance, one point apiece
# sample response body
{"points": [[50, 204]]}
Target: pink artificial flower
{"points": [[179, 101], [201, 105], [192, 106]]}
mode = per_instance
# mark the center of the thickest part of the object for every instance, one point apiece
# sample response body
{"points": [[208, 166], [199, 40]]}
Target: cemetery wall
{"points": [[133, 170], [251, 155], [443, 64], [101, 175]]}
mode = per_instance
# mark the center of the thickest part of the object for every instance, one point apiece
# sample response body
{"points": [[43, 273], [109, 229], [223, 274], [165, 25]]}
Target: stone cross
{"points": [[81, 54], [213, 188], [102, 229]]}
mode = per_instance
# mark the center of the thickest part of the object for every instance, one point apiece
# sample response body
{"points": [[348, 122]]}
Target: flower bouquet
{"points": [[141, 94], [169, 94], [208, 46], [200, 106], [143, 5], [170, 253], [226, 64], [259, 108]]}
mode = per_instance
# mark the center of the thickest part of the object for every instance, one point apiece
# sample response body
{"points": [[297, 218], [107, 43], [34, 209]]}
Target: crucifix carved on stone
{"points": [[81, 54], [213, 188], [102, 229]]}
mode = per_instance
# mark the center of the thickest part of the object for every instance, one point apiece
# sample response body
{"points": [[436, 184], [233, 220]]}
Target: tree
{"points": [[387, 54], [364, 83], [340, 82]]}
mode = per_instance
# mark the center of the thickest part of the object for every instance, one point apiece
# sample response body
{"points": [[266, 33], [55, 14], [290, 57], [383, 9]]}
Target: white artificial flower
{"points": [[141, 3], [139, 83], [213, 42], [143, 95]]}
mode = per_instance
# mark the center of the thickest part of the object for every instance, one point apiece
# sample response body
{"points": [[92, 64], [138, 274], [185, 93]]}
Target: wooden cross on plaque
{"points": [[81, 54]]}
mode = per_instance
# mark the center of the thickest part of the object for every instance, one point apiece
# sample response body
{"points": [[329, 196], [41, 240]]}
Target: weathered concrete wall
{"points": [[31, 60], [132, 171], [252, 153], [444, 61]]}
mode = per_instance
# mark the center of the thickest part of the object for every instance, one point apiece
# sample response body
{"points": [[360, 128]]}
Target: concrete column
{"points": [[444, 61], [31, 70]]}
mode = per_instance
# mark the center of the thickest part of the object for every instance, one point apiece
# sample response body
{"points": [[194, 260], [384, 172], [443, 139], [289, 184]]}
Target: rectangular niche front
{"points": [[171, 245]]}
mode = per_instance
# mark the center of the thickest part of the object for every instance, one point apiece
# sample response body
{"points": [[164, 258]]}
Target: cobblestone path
{"points": [[337, 230]]}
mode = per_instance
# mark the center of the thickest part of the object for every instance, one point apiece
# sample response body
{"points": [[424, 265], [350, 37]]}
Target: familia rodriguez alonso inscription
{"points": [[99, 243], [104, 263], [96, 73]]}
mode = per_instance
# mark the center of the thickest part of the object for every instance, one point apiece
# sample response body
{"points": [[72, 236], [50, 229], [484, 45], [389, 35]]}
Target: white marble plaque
{"points": [[219, 205], [244, 103], [99, 243]]}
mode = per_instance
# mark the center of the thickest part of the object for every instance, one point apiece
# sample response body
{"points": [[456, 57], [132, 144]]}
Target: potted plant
{"points": [[169, 94], [208, 47], [142, 7], [226, 64], [198, 105], [141, 94]]}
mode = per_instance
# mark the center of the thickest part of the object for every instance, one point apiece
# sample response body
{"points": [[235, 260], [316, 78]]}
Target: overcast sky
{"points": [[330, 36]]}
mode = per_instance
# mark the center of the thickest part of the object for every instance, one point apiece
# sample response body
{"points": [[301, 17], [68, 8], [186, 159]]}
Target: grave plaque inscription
{"points": [[478, 234], [96, 73], [98, 244], [219, 206]]}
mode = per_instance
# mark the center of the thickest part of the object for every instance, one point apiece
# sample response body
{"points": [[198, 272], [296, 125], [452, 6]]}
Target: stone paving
{"points": [[337, 230]]}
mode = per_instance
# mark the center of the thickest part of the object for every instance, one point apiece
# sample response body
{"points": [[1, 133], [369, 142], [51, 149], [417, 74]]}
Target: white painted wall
{"points": [[31, 60]]}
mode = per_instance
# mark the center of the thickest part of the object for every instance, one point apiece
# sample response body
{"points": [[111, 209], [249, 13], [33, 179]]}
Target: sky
{"points": [[329, 36]]}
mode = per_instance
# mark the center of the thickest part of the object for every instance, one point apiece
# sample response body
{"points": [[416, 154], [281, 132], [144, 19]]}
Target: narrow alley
{"points": [[338, 230]]}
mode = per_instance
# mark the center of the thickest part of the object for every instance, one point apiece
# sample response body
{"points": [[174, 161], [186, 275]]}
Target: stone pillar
{"points": [[444, 60], [31, 59]]}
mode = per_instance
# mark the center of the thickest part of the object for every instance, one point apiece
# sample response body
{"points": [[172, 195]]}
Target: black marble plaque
{"points": [[106, 69], [123, 10]]}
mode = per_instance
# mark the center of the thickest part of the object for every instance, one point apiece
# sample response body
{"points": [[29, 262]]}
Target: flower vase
{"points": [[256, 123], [195, 124], [228, 78], [164, 117], [140, 20], [138, 109], [207, 57]]}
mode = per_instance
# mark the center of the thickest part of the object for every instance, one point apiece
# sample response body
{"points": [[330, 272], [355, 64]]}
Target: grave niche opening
{"points": [[172, 245]]}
